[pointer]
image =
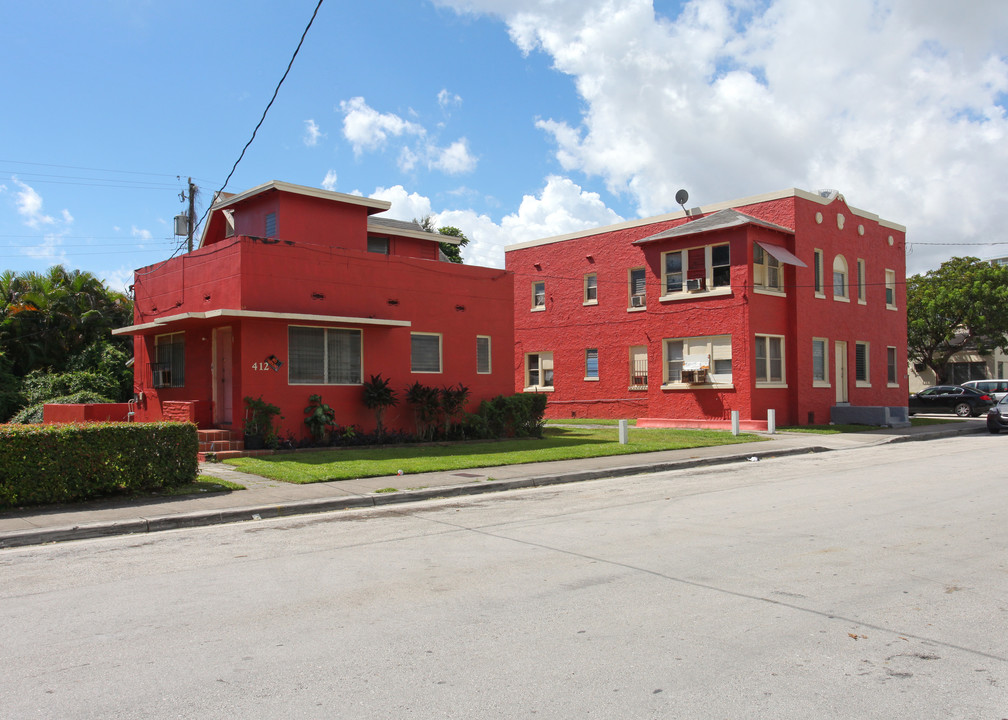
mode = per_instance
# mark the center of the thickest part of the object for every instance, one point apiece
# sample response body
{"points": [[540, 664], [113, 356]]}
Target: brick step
{"points": [[214, 435], [225, 454], [221, 445]]}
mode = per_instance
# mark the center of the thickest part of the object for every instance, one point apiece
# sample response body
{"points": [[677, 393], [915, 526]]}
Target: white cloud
{"points": [[368, 129], [447, 99], [29, 206], [900, 104], [560, 208], [329, 181], [312, 133], [455, 158], [49, 249], [140, 234]]}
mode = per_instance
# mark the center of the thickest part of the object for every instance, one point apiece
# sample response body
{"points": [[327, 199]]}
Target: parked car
{"points": [[997, 416], [997, 389], [963, 401]]}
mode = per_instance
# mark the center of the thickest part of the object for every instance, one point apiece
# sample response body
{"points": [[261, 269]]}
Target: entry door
{"points": [[222, 376], [840, 354]]}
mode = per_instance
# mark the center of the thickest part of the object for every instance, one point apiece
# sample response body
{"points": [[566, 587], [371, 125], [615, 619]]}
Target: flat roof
{"points": [[752, 200]]}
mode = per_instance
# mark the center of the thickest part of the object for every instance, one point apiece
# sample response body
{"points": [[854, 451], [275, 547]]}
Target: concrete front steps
{"points": [[224, 444]]}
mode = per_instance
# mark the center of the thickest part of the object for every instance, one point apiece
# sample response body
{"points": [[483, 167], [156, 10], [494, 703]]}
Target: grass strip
{"points": [[556, 444]]}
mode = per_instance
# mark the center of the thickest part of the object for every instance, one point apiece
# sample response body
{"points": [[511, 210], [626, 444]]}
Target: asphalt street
{"points": [[860, 583]]}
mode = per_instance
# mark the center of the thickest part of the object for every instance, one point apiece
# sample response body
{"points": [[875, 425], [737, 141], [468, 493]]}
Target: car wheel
{"points": [[993, 428], [963, 410]]}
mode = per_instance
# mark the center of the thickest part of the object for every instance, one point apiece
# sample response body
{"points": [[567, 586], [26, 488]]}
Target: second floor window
{"points": [[637, 285], [539, 296], [766, 270]]}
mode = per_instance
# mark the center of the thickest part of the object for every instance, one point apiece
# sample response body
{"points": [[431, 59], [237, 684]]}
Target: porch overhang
{"points": [[196, 319]]}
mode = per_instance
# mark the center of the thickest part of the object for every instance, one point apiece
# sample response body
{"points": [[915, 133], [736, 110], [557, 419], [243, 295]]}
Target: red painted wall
{"points": [[567, 326], [303, 275]]}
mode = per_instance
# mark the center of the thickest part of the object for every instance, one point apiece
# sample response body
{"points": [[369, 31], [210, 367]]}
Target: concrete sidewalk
{"points": [[265, 498]]}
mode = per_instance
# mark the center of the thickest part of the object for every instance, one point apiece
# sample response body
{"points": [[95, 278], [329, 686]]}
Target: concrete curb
{"points": [[21, 538]]}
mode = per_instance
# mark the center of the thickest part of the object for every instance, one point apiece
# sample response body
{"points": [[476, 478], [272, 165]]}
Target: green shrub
{"points": [[74, 462], [518, 415], [39, 387], [33, 413]]}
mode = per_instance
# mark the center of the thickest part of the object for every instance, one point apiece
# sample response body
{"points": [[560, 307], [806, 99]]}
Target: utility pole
{"points": [[192, 212]]}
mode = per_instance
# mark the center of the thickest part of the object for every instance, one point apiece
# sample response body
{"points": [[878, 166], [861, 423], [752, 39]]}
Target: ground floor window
{"points": [[698, 360], [861, 363], [483, 354], [819, 360], [539, 371], [425, 353], [168, 368], [769, 359], [960, 372], [891, 366], [591, 364], [323, 356], [638, 367]]}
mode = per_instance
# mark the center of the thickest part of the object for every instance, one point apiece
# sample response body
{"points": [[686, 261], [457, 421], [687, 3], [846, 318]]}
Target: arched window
{"points": [[840, 285]]}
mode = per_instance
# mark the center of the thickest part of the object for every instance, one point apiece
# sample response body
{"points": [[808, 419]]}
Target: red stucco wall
{"points": [[567, 326]]}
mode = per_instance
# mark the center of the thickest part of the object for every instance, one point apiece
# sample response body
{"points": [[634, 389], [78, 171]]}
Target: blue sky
{"points": [[510, 119]]}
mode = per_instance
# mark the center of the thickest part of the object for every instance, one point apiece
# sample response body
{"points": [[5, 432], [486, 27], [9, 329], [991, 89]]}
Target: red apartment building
{"points": [[791, 301], [295, 291]]}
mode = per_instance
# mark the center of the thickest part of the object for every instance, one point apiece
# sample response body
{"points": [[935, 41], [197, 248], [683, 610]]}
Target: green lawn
{"points": [[557, 444]]}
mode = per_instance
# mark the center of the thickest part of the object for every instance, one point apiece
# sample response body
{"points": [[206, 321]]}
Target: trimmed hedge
{"points": [[73, 462], [518, 415]]}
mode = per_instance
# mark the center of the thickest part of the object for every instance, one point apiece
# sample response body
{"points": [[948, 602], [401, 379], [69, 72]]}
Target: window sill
{"points": [[760, 290], [686, 295], [863, 384], [590, 302], [862, 302], [637, 388], [821, 384], [892, 385], [772, 385], [891, 307], [820, 295], [539, 308], [538, 388], [636, 309], [840, 298], [591, 379], [698, 386]]}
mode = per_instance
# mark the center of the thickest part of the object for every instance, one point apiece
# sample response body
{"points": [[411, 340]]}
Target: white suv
{"points": [[997, 389]]}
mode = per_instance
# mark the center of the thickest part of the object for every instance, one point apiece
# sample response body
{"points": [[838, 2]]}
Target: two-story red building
{"points": [[295, 291], [791, 301]]}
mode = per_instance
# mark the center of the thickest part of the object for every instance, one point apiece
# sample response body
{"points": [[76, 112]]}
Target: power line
{"points": [[94, 169], [268, 106]]}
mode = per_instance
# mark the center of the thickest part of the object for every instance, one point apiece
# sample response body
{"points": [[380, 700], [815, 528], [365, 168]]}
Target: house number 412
{"points": [[261, 366]]}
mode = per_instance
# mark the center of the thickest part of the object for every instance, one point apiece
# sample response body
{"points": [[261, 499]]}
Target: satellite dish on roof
{"points": [[681, 197]]}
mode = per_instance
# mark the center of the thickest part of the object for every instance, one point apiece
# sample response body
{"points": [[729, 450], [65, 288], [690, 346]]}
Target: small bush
{"points": [[518, 415], [69, 463], [33, 413]]}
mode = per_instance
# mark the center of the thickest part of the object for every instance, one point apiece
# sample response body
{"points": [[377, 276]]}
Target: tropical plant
{"points": [[379, 396], [321, 418], [258, 423], [426, 403], [453, 401]]}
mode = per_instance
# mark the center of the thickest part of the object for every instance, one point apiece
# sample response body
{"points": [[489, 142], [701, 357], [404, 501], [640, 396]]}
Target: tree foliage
{"points": [[963, 305], [452, 251], [58, 323]]}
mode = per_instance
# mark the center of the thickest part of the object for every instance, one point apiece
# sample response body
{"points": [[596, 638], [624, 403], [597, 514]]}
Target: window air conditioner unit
{"points": [[694, 284], [636, 301], [162, 378]]}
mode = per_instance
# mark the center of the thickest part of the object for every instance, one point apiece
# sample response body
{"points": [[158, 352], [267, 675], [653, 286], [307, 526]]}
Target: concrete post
{"points": [[624, 432], [771, 421], [734, 422]]}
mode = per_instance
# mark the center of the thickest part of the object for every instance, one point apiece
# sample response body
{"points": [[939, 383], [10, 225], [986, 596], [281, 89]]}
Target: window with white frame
{"points": [[698, 360], [861, 363], [483, 354], [591, 364], [425, 352], [861, 281], [769, 368], [590, 289], [766, 270], [168, 368], [696, 269], [840, 285], [323, 356], [638, 367], [891, 366], [539, 371], [820, 361], [539, 295], [637, 287], [817, 263], [890, 289]]}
